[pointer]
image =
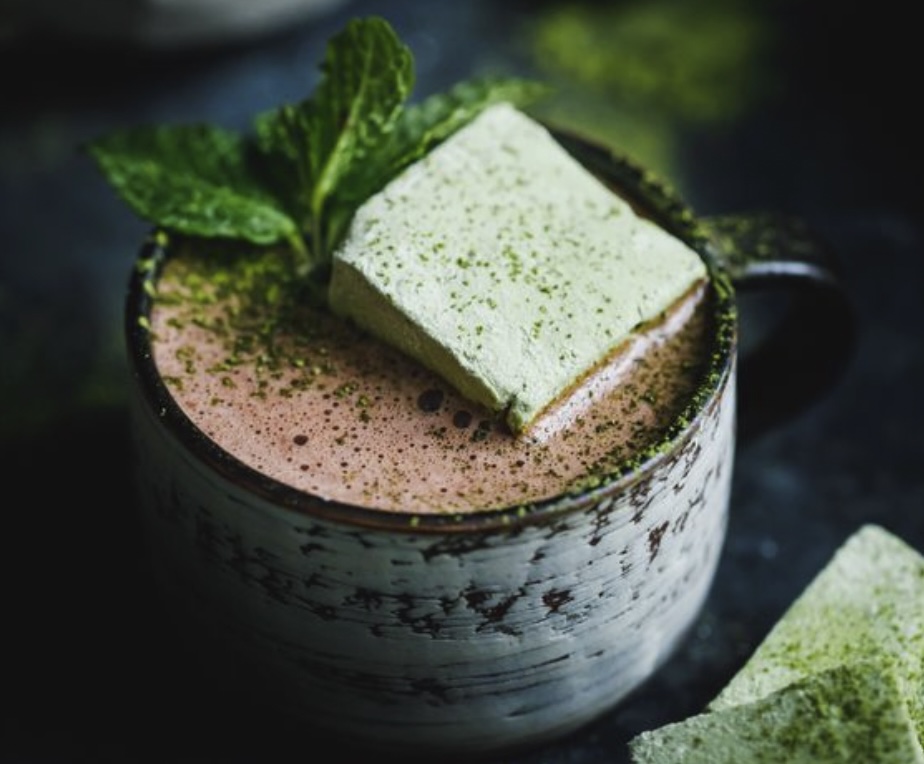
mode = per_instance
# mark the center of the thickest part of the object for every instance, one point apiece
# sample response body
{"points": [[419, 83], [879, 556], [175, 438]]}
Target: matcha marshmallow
{"points": [[501, 263]]}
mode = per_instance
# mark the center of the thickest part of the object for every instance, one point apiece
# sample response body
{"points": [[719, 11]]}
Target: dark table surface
{"points": [[740, 105]]}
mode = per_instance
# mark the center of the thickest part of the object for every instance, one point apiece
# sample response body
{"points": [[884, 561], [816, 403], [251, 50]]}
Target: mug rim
{"points": [[653, 196]]}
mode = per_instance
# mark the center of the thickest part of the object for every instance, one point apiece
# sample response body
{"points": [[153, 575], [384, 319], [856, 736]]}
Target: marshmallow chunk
{"points": [[501, 263]]}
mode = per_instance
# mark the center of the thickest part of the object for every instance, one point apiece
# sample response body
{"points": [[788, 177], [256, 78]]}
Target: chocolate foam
{"points": [[318, 405]]}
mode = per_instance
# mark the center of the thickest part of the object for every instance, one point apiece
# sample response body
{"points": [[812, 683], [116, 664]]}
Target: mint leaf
{"points": [[367, 75], [194, 179], [421, 126], [418, 129], [306, 168], [424, 125]]}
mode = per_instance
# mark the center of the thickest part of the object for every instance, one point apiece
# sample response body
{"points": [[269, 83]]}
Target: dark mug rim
{"points": [[649, 194]]}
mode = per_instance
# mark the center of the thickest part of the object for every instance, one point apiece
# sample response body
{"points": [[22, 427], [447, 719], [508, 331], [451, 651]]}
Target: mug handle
{"points": [[809, 325]]}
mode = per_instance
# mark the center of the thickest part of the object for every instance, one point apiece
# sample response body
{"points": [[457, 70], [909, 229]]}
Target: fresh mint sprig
{"points": [[302, 172]]}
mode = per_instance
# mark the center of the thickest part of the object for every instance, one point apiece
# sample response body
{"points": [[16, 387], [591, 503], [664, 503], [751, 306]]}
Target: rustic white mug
{"points": [[492, 630]]}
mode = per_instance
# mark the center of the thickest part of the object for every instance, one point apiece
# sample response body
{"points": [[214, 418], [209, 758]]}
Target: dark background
{"points": [[807, 108]]}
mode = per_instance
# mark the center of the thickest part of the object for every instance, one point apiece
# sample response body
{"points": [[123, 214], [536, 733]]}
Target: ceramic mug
{"points": [[482, 632]]}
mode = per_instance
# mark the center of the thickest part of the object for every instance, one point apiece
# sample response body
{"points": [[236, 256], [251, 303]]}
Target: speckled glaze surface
{"points": [[440, 634], [464, 640]]}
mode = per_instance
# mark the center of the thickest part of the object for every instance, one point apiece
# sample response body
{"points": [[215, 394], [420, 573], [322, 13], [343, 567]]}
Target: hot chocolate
{"points": [[379, 555], [316, 404]]}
